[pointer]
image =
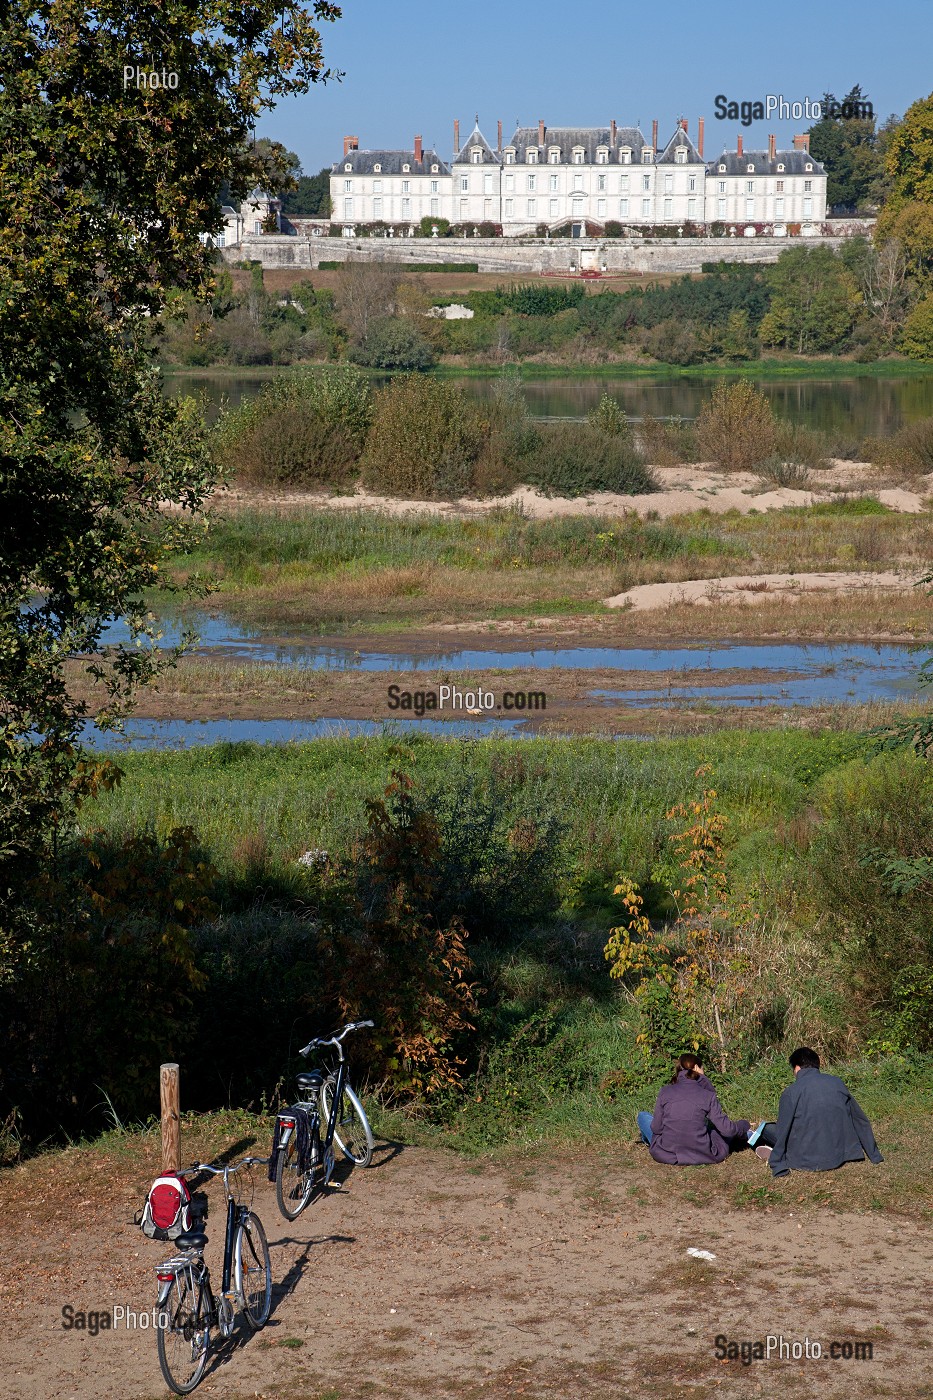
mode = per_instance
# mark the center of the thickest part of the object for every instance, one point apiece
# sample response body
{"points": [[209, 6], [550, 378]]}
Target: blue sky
{"points": [[413, 66]]}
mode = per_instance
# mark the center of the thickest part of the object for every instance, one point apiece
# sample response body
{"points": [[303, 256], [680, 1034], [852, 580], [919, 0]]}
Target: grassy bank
{"points": [[367, 571]]}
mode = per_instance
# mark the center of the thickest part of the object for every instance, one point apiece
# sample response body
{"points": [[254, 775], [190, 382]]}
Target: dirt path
{"points": [[431, 1276]]}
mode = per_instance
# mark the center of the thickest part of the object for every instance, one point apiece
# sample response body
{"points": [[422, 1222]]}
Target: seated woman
{"points": [[688, 1126]]}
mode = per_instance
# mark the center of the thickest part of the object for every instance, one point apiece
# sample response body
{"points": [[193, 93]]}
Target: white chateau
{"points": [[574, 178]]}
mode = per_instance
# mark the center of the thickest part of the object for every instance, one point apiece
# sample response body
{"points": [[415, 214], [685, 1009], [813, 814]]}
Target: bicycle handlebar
{"points": [[224, 1171], [337, 1037]]}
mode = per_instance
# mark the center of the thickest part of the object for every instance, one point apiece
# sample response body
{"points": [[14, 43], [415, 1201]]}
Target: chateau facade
{"points": [[547, 178]]}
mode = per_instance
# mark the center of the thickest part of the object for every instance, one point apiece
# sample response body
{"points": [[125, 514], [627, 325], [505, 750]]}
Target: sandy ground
{"points": [[683, 489], [753, 588], [431, 1276]]}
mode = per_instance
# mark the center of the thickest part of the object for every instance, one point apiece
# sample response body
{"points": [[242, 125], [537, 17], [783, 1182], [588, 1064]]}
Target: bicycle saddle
{"points": [[309, 1079], [192, 1239]]}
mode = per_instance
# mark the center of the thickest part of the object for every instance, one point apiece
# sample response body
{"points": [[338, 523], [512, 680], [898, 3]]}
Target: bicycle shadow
{"points": [[289, 1281], [388, 1149]]}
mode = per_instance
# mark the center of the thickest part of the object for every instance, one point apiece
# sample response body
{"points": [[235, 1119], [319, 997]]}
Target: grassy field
{"points": [[363, 571]]}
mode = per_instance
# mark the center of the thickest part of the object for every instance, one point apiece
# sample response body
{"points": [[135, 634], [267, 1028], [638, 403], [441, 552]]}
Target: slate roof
{"points": [[567, 137], [680, 138], [794, 163], [476, 138], [364, 162]]}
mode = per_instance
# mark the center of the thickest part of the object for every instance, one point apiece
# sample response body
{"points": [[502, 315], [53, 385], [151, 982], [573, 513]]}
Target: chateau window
{"points": [[553, 208], [510, 183], [779, 208], [377, 169], [680, 155], [476, 155], [405, 169], [509, 208], [406, 184], [750, 169], [377, 187], [668, 184], [779, 184], [347, 212], [510, 157], [600, 182], [434, 169], [646, 208], [257, 226], [646, 155], [722, 170], [464, 183], [578, 182], [553, 155], [554, 183], [691, 209], [532, 208], [377, 208], [749, 209], [808, 208], [781, 169], [464, 209], [808, 167], [625, 155], [668, 210], [600, 208], [623, 183], [406, 208], [807, 186], [348, 166], [532, 182], [578, 156], [435, 208], [691, 183], [347, 186], [623, 208], [531, 157], [722, 186], [749, 186], [602, 156], [434, 186], [487, 184], [646, 182], [720, 208]]}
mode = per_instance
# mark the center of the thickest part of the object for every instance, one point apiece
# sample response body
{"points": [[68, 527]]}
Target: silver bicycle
{"points": [[188, 1310]]}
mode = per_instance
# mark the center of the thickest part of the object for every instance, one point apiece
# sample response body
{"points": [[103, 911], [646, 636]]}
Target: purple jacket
{"points": [[689, 1126]]}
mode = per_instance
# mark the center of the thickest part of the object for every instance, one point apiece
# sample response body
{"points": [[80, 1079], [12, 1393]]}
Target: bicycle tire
{"points": [[187, 1312], [251, 1258], [293, 1189], [352, 1132]]}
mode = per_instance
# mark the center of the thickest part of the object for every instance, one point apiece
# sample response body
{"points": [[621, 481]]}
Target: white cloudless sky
{"points": [[412, 66]]}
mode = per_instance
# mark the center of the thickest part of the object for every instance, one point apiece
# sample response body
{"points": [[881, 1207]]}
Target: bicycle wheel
{"points": [[293, 1187], [352, 1132], [253, 1271], [183, 1336]]}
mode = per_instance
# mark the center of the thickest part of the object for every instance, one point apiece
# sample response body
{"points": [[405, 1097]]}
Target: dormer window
{"points": [[625, 155], [348, 166], [646, 155], [553, 155], [808, 167], [781, 168], [406, 169], [578, 155], [377, 169], [750, 169], [510, 156], [602, 156], [434, 169], [722, 170], [476, 155], [680, 155], [531, 157]]}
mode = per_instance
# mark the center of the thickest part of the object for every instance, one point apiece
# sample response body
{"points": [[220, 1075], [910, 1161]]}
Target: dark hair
{"points": [[689, 1064], [804, 1059]]}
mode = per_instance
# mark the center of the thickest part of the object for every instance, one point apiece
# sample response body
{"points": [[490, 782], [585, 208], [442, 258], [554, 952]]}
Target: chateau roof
{"points": [[680, 138], [476, 138], [568, 137], [794, 163], [364, 163]]}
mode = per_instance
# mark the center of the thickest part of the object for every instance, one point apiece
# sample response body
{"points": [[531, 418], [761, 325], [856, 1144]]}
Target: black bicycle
{"points": [[187, 1308], [305, 1161]]}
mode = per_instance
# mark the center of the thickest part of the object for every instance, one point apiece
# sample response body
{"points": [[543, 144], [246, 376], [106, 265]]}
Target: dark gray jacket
{"points": [[820, 1126]]}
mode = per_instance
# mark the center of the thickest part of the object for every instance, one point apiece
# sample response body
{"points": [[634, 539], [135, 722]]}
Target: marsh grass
{"points": [[362, 568]]}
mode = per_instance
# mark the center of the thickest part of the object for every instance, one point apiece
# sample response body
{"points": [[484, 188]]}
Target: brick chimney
{"points": [[613, 130], [350, 143], [700, 127], [419, 154], [654, 135], [499, 136], [456, 136], [772, 146], [683, 123], [739, 146], [802, 142], [541, 130]]}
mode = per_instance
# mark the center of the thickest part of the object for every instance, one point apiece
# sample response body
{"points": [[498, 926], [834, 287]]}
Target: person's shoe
{"points": [[755, 1134], [763, 1152]]}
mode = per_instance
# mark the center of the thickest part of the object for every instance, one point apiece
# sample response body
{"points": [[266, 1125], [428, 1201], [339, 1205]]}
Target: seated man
{"points": [[819, 1124]]}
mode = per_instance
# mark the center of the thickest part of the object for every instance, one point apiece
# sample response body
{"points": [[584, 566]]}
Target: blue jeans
{"points": [[644, 1125]]}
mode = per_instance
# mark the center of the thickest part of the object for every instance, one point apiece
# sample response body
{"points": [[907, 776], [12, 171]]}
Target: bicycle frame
{"points": [[235, 1215]]}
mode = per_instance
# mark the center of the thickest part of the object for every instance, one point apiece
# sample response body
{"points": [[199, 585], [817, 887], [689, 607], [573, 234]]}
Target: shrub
{"points": [[667, 444], [571, 459], [424, 442], [300, 430], [395, 344], [774, 471], [910, 449], [736, 429]]}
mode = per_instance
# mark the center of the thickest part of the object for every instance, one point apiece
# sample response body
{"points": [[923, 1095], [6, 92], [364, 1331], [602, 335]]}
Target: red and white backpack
{"points": [[167, 1212]]}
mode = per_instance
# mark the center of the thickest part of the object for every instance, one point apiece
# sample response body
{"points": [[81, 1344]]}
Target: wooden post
{"points": [[171, 1117]]}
